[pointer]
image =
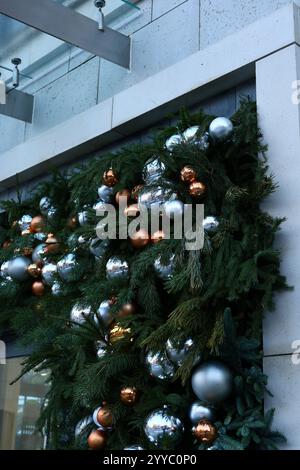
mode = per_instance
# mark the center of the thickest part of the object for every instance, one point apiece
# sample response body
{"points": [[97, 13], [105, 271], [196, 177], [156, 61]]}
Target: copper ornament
{"points": [[197, 189], [129, 395], [205, 432], [125, 193], [140, 238], [53, 245], [188, 174], [158, 236], [34, 270], [126, 310], [37, 224], [38, 288], [97, 439], [110, 178], [105, 417]]}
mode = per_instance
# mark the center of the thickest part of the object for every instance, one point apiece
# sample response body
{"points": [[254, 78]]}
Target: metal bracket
{"points": [[70, 26]]}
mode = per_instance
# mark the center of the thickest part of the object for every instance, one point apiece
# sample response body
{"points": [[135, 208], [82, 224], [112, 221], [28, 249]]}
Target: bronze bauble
{"points": [[205, 432], [188, 174], [126, 310], [97, 439], [37, 224], [110, 178], [105, 417], [125, 193], [197, 189], [34, 270], [129, 395], [38, 288], [140, 238], [53, 245]]}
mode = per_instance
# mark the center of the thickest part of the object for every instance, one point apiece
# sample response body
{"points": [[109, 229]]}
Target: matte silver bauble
{"points": [[212, 382], [98, 247], [101, 348], [104, 312], [116, 268], [159, 366], [17, 268], [49, 272], [56, 289], [4, 269], [83, 218], [45, 205], [211, 224], [69, 269], [153, 170], [173, 141], [80, 312], [133, 447], [161, 427], [198, 411], [174, 209], [82, 425], [221, 129], [39, 255], [177, 350], [105, 193], [164, 271], [24, 222], [155, 196]]}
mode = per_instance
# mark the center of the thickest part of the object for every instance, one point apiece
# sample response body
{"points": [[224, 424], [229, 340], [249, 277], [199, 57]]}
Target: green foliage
{"points": [[217, 295]]}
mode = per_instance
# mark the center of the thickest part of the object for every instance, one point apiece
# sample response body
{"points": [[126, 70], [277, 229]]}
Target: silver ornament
{"points": [[24, 222], [161, 427], [100, 207], [177, 350], [17, 268], [80, 312], [49, 272], [52, 214], [155, 196], [82, 425], [190, 134], [45, 204], [116, 268], [56, 289], [105, 193], [40, 236], [104, 312], [198, 411], [39, 255], [83, 218], [221, 129], [174, 209], [4, 269], [153, 170], [173, 141], [69, 269], [95, 420], [164, 271], [98, 247], [133, 447], [203, 141], [212, 382], [159, 366], [101, 348], [210, 224]]}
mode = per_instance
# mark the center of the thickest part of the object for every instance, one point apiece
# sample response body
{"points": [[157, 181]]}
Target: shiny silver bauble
{"points": [[117, 268], [17, 268], [212, 382], [52, 214], [80, 313], [164, 271], [173, 141], [82, 425], [45, 205], [56, 289], [190, 134], [177, 350], [24, 222], [211, 224], [163, 428], [174, 209], [68, 268], [98, 247], [40, 236], [221, 129], [104, 312], [198, 411], [4, 269], [155, 196], [153, 170], [159, 366], [49, 272], [105, 193], [101, 349], [39, 255], [100, 207], [83, 217]]}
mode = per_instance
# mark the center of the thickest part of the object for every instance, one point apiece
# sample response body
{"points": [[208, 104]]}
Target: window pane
{"points": [[20, 406]]}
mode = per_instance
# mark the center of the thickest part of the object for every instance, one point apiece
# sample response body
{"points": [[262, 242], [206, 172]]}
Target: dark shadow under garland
{"points": [[216, 297]]}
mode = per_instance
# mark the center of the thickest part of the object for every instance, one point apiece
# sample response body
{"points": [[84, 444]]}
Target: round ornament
{"points": [[38, 288], [125, 194], [69, 269], [221, 129], [49, 272], [103, 417], [40, 236], [97, 439], [159, 366], [129, 395], [17, 268], [158, 236], [105, 193], [104, 312], [188, 174], [39, 254], [37, 224], [56, 289], [101, 349], [80, 312], [53, 245], [211, 224], [126, 310], [190, 134], [178, 350], [4, 269], [173, 141], [52, 215], [205, 432], [198, 412], [117, 268], [118, 333], [197, 189], [45, 205], [34, 270], [165, 271], [140, 238], [24, 222], [72, 222], [163, 428], [110, 178], [154, 170], [98, 247], [212, 382], [83, 218], [155, 196]]}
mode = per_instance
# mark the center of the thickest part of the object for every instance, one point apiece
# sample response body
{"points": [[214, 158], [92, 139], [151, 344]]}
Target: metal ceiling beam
{"points": [[70, 26], [19, 105]]}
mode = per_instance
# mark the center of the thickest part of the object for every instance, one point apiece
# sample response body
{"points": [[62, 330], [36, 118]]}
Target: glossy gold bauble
{"points": [[158, 236], [37, 224], [135, 191], [124, 193], [53, 246], [34, 270], [97, 439], [129, 395], [105, 417], [140, 238], [205, 432], [110, 178], [197, 189], [132, 211], [118, 333], [126, 310], [38, 288], [188, 174]]}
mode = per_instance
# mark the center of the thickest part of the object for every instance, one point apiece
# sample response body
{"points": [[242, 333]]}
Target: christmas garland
{"points": [[149, 344]]}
